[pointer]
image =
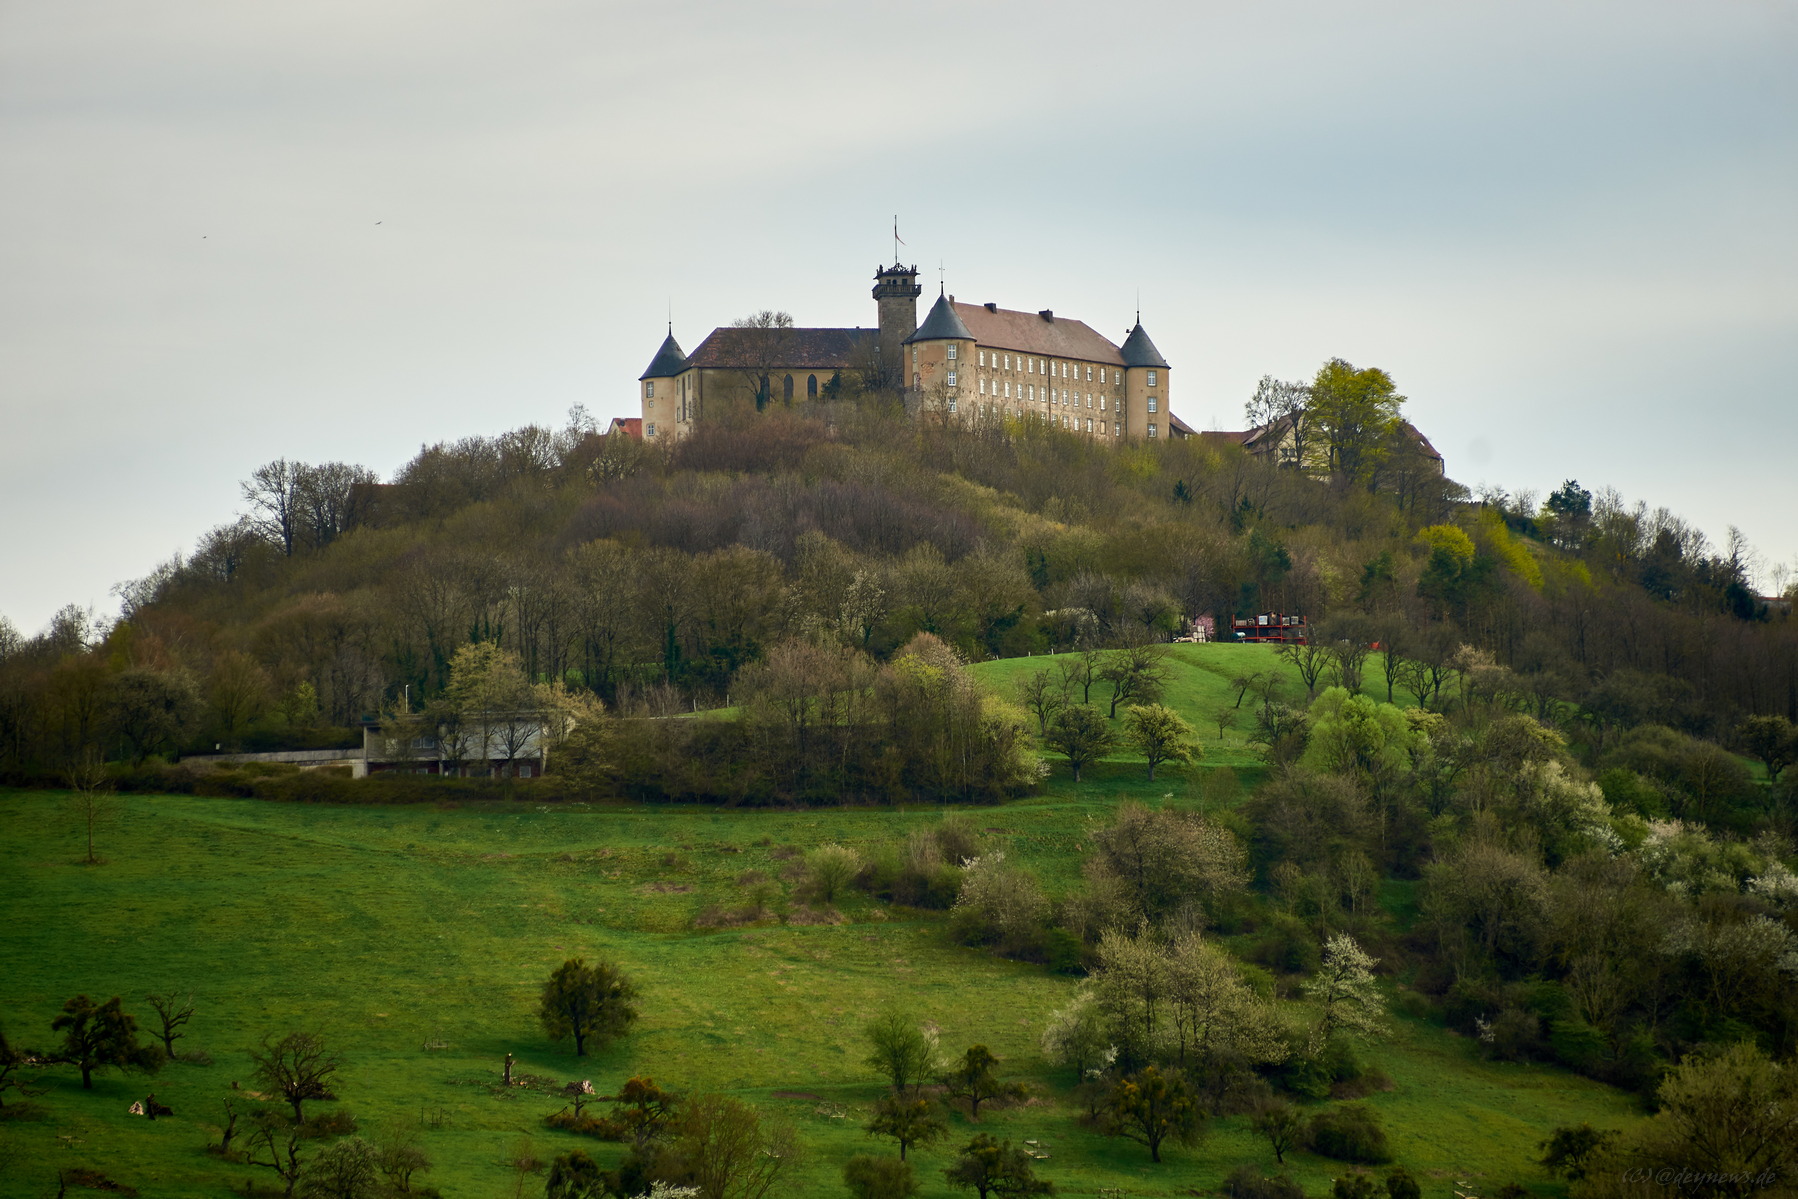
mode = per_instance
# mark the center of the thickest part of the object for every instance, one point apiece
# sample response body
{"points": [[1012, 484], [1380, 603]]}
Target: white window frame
{"points": [[1153, 375], [952, 348], [951, 379]]}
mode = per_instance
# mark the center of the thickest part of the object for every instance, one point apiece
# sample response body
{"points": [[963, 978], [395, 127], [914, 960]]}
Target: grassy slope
{"points": [[387, 928]]}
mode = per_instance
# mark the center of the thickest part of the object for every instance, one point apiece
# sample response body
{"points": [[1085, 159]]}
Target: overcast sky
{"points": [[334, 231]]}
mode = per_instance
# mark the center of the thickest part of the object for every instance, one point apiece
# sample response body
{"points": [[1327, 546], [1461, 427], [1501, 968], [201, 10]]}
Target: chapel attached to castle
{"points": [[966, 362]]}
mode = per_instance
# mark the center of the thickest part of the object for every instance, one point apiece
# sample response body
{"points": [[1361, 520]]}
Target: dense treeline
{"points": [[655, 577]]}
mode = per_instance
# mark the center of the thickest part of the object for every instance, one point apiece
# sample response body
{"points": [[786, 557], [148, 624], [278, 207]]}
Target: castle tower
{"points": [[896, 292], [1146, 410]]}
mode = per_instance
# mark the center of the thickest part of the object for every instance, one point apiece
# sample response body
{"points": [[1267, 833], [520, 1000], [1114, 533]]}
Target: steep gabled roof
{"points": [[668, 362], [734, 348], [1033, 333], [1140, 351], [630, 426], [941, 324]]}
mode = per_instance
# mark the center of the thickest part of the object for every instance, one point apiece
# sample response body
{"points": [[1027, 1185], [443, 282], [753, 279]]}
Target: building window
{"points": [[951, 379], [811, 386], [1008, 362], [1152, 375], [951, 351], [981, 357], [649, 388], [1117, 377], [1089, 374], [983, 385], [649, 403], [1151, 428], [1101, 403], [915, 381], [1117, 428], [649, 430], [952, 403], [1089, 424], [1151, 403]]}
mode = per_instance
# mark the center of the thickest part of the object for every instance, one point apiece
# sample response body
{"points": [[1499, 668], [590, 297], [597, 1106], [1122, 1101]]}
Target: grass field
{"points": [[388, 929]]}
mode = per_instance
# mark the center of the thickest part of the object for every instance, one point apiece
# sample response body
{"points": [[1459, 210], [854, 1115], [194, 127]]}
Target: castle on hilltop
{"points": [[966, 362]]}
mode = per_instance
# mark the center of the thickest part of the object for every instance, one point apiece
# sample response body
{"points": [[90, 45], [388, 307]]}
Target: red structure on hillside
{"points": [[1273, 627]]}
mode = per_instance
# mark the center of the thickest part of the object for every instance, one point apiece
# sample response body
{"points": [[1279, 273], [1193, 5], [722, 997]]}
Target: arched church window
{"points": [[811, 387], [786, 388]]}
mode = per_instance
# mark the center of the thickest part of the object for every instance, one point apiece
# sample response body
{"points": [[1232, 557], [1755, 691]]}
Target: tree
{"points": [[975, 1078], [1281, 1124], [1160, 735], [152, 710], [12, 1065], [1161, 858], [643, 1109], [871, 1177], [755, 346], [1355, 414], [1080, 735], [1568, 1151], [277, 1143], [1138, 672], [297, 1067], [587, 1003], [173, 1009], [1728, 1121], [1043, 694], [909, 1120], [347, 1169], [1151, 1107], [991, 1167], [1076, 1035], [1309, 659], [1773, 740], [900, 1050], [732, 1150], [100, 1035], [1345, 991], [575, 1176], [1279, 402], [91, 798]]}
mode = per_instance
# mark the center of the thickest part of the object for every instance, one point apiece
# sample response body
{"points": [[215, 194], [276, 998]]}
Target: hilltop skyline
{"points": [[336, 233]]}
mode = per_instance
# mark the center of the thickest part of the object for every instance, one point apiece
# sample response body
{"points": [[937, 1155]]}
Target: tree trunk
{"points": [[87, 1076]]}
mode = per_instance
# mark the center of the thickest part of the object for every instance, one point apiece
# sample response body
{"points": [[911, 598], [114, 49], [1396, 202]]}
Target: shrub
{"points": [[1400, 1185], [830, 869], [870, 1177], [1353, 1186], [1349, 1133], [1248, 1182]]}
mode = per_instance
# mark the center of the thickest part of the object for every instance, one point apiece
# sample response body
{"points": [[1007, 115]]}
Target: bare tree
{"points": [[296, 1067], [91, 798], [1278, 401], [756, 345], [173, 1009]]}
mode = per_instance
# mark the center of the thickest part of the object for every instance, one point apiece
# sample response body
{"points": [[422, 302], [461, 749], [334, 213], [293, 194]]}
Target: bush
{"points": [[871, 1177], [1400, 1185], [1248, 1182], [830, 869], [1353, 1186], [1349, 1133]]}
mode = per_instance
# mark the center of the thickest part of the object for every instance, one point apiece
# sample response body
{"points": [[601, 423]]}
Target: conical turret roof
{"points": [[668, 362], [941, 324], [1138, 350]]}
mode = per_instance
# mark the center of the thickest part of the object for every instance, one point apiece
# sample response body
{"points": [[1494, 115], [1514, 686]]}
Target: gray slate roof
{"points": [[668, 362], [1138, 350], [941, 324]]}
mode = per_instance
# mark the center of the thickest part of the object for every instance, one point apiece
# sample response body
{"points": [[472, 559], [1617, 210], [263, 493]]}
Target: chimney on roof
{"points": [[991, 307], [1046, 315]]}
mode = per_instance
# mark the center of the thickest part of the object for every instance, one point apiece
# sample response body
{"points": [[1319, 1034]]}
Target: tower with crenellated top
{"points": [[896, 293]]}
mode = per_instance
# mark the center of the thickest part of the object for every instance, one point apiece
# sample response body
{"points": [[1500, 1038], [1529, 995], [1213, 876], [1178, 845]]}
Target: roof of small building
{"points": [[1140, 351], [1179, 428], [941, 324], [1033, 333], [668, 362], [735, 348], [630, 426]]}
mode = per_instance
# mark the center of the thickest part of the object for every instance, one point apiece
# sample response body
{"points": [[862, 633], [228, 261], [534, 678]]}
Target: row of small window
{"points": [[1034, 366], [1117, 427]]}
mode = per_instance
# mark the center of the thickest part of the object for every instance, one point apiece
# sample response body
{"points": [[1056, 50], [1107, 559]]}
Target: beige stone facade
{"points": [[966, 362]]}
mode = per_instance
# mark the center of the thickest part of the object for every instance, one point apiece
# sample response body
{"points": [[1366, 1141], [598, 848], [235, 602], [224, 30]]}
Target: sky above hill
{"points": [[334, 231]]}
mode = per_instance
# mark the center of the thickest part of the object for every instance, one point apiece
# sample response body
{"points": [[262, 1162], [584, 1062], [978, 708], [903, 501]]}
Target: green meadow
{"points": [[416, 940]]}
